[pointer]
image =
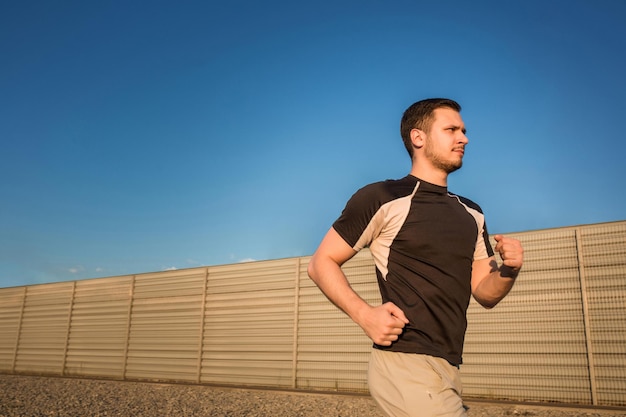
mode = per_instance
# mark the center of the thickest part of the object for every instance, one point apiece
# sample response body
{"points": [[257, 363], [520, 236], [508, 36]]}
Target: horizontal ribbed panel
{"points": [[99, 328], [604, 257], [249, 324], [45, 323], [11, 304], [164, 337]]}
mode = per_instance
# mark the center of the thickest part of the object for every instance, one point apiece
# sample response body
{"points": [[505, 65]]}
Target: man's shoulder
{"points": [[469, 203], [387, 190]]}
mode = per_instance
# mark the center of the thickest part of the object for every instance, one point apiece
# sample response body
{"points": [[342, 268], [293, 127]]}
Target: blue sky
{"points": [[145, 136]]}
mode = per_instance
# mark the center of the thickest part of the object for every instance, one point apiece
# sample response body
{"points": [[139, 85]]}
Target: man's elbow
{"points": [[487, 302], [311, 269]]}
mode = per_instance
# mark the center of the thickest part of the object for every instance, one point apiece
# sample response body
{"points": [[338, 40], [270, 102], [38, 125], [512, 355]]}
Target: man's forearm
{"points": [[333, 283], [495, 286], [383, 324]]}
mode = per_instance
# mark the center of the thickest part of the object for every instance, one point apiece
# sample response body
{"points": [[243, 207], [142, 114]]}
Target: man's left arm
{"points": [[490, 282]]}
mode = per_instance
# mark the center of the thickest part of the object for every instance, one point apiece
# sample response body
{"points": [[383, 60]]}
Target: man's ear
{"points": [[417, 138]]}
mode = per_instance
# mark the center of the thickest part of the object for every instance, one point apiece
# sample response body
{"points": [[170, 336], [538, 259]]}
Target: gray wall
{"points": [[560, 335]]}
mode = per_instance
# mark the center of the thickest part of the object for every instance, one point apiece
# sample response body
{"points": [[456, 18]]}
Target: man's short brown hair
{"points": [[420, 115]]}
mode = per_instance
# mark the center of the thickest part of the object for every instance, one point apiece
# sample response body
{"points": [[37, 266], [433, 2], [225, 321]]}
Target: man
{"points": [[431, 251]]}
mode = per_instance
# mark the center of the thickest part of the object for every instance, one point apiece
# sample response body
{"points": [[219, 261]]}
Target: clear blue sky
{"points": [[145, 136]]}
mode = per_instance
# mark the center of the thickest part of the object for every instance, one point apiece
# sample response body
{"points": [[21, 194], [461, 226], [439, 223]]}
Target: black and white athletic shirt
{"points": [[423, 240]]}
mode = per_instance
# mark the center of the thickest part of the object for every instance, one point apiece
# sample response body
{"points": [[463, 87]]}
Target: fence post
{"points": [[296, 316], [202, 318], [19, 331], [585, 305], [68, 329], [131, 297]]}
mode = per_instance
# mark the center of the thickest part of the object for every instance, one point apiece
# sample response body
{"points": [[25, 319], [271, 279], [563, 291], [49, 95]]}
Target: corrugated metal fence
{"points": [[560, 335]]}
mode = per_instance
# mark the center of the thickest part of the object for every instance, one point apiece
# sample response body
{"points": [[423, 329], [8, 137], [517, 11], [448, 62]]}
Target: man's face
{"points": [[446, 140]]}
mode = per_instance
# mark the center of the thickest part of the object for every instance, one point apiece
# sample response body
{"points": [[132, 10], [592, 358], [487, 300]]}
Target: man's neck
{"points": [[430, 174]]}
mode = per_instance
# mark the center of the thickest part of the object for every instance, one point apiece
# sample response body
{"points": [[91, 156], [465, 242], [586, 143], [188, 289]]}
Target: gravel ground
{"points": [[31, 396]]}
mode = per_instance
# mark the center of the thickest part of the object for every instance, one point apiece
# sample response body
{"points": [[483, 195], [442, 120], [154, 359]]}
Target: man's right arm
{"points": [[382, 324]]}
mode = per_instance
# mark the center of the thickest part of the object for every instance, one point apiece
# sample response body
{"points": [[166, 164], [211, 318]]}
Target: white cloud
{"points": [[247, 260], [234, 259], [76, 269]]}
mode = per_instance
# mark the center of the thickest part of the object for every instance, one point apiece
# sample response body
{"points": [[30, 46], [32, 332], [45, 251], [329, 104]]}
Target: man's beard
{"points": [[447, 166]]}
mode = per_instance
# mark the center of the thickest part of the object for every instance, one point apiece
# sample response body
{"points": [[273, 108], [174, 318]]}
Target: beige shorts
{"points": [[414, 385]]}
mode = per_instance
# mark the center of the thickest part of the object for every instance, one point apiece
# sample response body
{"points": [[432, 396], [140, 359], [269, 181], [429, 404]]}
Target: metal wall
{"points": [[560, 335]]}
